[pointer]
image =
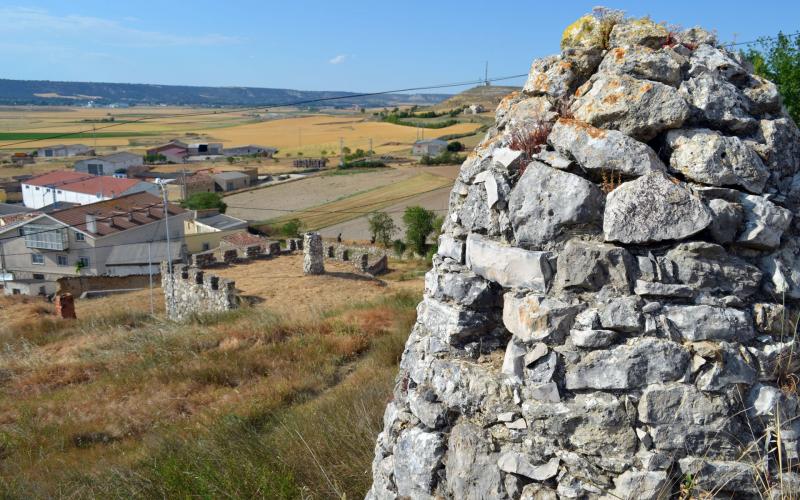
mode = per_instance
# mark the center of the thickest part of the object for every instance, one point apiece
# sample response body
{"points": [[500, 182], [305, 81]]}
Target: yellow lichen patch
{"points": [[594, 132], [619, 54], [585, 33]]}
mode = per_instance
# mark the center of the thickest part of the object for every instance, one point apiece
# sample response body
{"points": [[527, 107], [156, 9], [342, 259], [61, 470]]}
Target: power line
{"points": [[759, 40], [252, 108]]}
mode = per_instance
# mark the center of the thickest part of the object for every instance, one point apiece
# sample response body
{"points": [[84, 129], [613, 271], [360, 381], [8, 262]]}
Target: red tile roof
{"points": [[117, 215], [244, 239], [57, 178], [108, 186]]}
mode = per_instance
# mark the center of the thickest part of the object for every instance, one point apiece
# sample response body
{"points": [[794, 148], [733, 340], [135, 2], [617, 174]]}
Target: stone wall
{"points": [[313, 258], [612, 313], [190, 291], [77, 285], [365, 259]]}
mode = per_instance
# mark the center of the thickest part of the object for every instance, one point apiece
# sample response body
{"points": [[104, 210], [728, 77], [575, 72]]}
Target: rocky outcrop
{"points": [[615, 315]]}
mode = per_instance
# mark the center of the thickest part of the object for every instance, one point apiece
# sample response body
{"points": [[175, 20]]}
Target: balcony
{"points": [[45, 237]]}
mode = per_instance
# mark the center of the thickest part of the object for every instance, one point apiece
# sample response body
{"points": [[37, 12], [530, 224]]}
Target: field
{"points": [[119, 404]]}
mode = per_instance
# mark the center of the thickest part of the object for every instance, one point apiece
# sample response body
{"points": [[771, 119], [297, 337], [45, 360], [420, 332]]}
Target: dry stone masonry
{"points": [[189, 291], [365, 259], [313, 258], [612, 314]]}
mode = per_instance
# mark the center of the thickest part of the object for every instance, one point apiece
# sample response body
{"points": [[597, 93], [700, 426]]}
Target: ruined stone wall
{"points": [[313, 255], [190, 291], [365, 259], [612, 314]]}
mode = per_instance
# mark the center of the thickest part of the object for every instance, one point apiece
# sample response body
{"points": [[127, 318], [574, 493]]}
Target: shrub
{"points": [[455, 147], [382, 228], [201, 201], [529, 139], [399, 248], [292, 228], [419, 225]]}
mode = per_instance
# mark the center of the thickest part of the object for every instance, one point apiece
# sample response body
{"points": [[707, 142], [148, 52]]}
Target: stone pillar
{"points": [[65, 306], [312, 254]]}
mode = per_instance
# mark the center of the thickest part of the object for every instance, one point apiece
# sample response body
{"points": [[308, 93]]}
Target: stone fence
{"points": [[269, 249], [78, 285], [366, 259], [189, 291]]}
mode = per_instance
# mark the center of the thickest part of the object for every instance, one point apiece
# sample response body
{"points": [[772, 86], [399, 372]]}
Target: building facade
{"points": [[117, 163], [78, 188]]}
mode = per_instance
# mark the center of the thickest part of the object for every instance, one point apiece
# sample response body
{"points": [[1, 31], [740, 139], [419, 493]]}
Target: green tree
{"points": [[399, 248], [292, 228], [778, 60], [419, 225], [382, 227], [455, 147], [201, 201]]}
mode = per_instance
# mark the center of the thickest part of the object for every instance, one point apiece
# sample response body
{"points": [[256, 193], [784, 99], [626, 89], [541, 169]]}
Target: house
{"points": [[474, 109], [231, 181], [181, 185], [207, 228], [116, 163], [250, 149], [83, 240], [430, 147], [20, 159], [62, 150], [173, 152], [13, 188], [10, 213], [310, 163], [204, 150], [76, 187]]}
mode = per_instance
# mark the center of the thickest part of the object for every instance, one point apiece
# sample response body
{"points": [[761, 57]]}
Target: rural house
{"points": [[117, 163], [206, 229], [173, 152], [75, 187], [20, 159], [250, 149], [231, 181], [430, 147], [204, 151], [83, 240], [64, 150]]}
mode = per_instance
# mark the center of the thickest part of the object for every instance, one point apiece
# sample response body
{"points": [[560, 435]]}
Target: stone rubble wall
{"points": [[209, 259], [313, 258], [189, 291], [368, 260], [612, 315]]}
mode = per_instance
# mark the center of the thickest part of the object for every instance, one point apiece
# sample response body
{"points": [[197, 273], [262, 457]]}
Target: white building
{"points": [[61, 150], [75, 187], [431, 147], [116, 163]]}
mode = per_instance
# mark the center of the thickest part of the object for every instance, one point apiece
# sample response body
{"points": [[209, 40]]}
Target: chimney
{"points": [[91, 223]]}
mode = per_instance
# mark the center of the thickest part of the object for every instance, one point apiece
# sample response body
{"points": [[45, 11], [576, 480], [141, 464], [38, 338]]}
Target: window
{"points": [[62, 260], [37, 258], [83, 262], [20, 231], [206, 246], [45, 237], [80, 236], [27, 186], [38, 276], [37, 188]]}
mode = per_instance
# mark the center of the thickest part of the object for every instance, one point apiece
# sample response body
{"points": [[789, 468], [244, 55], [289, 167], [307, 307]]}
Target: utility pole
{"points": [[341, 151], [171, 302], [486, 75], [3, 264], [150, 273]]}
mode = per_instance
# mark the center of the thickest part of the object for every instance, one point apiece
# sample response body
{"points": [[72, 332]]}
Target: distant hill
{"points": [[42, 92], [488, 96]]}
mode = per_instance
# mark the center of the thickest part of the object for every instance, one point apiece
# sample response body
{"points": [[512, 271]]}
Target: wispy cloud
{"points": [[339, 59], [29, 21]]}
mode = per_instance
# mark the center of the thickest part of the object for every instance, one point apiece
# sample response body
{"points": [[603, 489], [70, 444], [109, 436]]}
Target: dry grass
{"points": [[118, 404]]}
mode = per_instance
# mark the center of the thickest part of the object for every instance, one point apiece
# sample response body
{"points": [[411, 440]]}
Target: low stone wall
{"points": [[233, 255], [189, 291], [365, 259], [77, 285]]}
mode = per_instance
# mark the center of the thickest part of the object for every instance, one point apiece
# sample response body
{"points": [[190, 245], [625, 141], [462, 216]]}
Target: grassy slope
{"points": [[244, 404]]}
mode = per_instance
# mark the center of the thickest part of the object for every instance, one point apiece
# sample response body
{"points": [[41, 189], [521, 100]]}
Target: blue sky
{"points": [[322, 45]]}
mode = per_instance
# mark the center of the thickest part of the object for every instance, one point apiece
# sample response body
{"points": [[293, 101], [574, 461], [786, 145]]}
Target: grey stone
{"points": [[638, 363], [462, 287], [707, 59], [542, 371], [730, 369], [474, 213], [641, 485], [507, 158], [517, 463], [514, 359], [518, 424], [554, 159], [653, 208], [603, 151], [417, 455], [778, 143], [534, 317], [590, 266], [592, 339], [775, 358], [772, 319], [724, 478], [638, 32], [782, 270], [536, 491], [719, 103], [643, 63], [313, 258], [538, 351], [526, 112], [650, 289], [622, 314], [422, 403], [762, 96], [558, 76], [547, 202], [508, 266], [471, 464], [451, 247], [698, 36], [764, 223], [545, 392], [452, 324], [639, 108], [709, 268], [727, 220], [709, 157], [704, 322]]}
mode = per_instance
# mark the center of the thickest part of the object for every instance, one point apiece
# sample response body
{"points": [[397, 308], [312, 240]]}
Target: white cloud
{"points": [[339, 59], [29, 21]]}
